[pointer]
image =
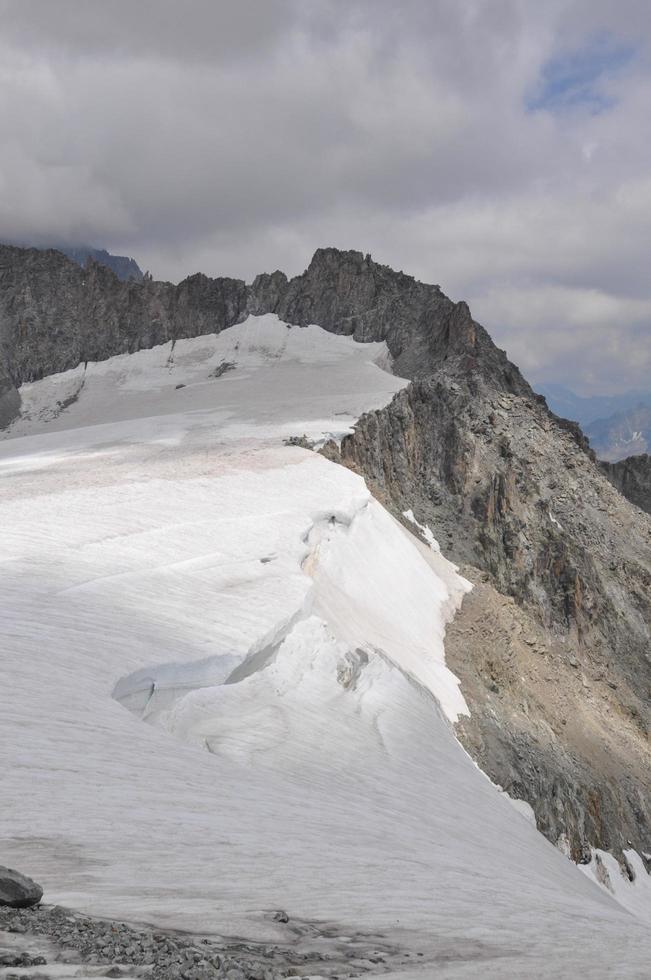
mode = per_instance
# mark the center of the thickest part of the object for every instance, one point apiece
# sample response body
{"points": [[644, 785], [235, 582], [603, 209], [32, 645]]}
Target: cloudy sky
{"points": [[501, 148]]}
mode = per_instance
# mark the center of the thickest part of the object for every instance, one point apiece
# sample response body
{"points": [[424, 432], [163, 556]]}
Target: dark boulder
{"points": [[18, 891]]}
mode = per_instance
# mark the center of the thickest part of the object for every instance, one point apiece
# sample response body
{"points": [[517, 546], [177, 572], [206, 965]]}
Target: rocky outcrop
{"points": [[348, 293], [550, 723], [17, 890], [9, 399], [555, 661], [55, 315], [632, 477], [509, 490]]}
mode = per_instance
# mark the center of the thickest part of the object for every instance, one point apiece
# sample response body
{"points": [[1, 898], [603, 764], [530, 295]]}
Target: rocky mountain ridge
{"points": [[54, 315], [559, 682], [552, 647], [632, 477]]}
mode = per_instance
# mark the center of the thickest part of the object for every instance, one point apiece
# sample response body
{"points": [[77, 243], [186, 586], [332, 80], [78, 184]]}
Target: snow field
{"points": [[223, 688]]}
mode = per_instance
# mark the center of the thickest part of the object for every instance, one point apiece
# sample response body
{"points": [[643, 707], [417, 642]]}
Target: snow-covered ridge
{"points": [[631, 888], [283, 635], [261, 372], [353, 621]]}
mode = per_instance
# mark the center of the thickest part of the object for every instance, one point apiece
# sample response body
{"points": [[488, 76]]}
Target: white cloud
{"points": [[236, 137], [605, 333]]}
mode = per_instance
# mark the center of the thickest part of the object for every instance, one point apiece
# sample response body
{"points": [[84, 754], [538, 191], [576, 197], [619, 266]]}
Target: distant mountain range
{"points": [[622, 434], [569, 405], [123, 266], [618, 426]]}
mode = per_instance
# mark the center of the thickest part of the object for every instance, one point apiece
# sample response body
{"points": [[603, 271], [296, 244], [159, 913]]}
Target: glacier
{"points": [[224, 688]]}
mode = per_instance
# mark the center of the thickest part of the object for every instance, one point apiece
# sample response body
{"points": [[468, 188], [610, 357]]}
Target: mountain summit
{"points": [[552, 644]]}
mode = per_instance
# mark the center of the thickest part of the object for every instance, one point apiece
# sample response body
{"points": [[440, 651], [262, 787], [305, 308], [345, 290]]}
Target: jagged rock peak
{"points": [[55, 315]]}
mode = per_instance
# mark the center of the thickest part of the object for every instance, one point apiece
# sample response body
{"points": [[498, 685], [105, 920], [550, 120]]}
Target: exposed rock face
{"points": [[632, 477], [17, 890], [54, 315], [348, 293], [550, 724], [9, 399], [506, 488], [555, 661]]}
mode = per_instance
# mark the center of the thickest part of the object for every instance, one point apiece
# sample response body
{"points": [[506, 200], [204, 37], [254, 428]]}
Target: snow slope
{"points": [[258, 377], [223, 688], [632, 890]]}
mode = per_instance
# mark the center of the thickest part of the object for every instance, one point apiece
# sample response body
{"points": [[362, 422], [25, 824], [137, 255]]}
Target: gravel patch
{"points": [[114, 949]]}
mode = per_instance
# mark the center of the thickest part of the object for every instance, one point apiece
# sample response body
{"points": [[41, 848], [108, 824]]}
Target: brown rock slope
{"points": [[558, 680]]}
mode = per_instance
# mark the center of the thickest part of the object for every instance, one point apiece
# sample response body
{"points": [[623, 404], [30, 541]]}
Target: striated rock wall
{"points": [[632, 477], [55, 315], [560, 705]]}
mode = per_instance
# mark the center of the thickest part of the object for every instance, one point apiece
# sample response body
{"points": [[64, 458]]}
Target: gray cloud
{"points": [[194, 30], [233, 137]]}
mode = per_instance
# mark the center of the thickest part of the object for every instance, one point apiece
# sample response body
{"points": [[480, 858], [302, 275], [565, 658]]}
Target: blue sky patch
{"points": [[574, 79]]}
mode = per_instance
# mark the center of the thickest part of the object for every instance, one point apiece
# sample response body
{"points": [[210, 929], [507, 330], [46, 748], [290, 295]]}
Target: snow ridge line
{"points": [[261, 653]]}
